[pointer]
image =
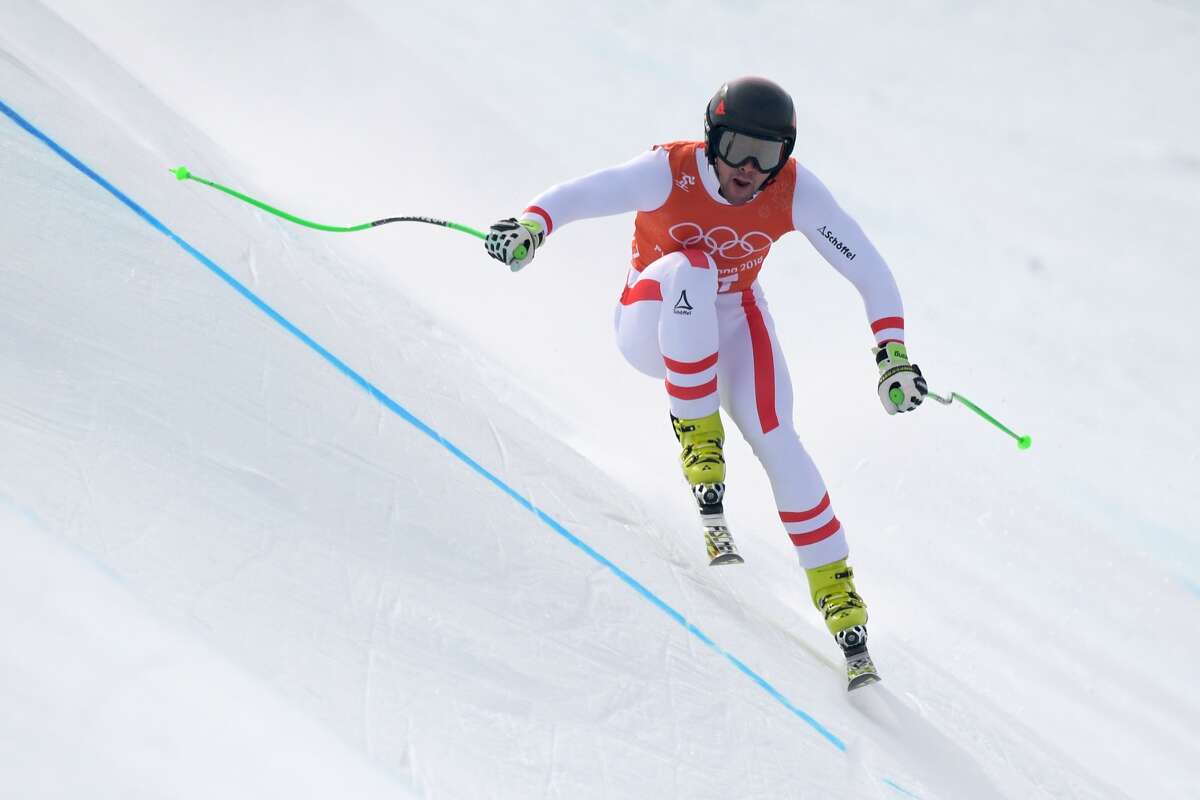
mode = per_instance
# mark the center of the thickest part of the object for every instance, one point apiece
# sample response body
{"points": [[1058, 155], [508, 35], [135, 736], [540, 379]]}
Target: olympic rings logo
{"points": [[721, 241]]}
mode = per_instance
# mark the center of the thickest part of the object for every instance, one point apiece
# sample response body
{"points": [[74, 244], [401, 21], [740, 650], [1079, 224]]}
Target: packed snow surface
{"points": [[232, 570]]}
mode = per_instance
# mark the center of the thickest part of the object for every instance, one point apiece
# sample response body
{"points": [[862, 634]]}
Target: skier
{"points": [[693, 313]]}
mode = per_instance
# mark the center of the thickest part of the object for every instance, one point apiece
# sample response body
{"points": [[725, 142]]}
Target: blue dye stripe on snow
{"points": [[891, 783], [407, 416]]}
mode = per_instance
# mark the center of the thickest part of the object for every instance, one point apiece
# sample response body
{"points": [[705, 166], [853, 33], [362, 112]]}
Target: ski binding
{"points": [[717, 538], [860, 669]]}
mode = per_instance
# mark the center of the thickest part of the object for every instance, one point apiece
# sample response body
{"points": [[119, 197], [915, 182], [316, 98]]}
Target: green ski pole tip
{"points": [[1024, 442], [181, 173]]}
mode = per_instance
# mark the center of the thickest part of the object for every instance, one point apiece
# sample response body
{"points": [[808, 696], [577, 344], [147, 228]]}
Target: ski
{"points": [[718, 541], [860, 669]]}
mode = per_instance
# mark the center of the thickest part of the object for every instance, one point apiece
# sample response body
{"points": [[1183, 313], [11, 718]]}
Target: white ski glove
{"points": [[514, 242], [901, 386]]}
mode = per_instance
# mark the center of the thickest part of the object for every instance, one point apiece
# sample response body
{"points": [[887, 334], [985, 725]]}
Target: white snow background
{"points": [[230, 571]]}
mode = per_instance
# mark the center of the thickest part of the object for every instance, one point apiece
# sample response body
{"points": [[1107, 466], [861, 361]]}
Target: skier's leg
{"points": [[757, 393], [666, 327], [756, 390], [687, 331]]}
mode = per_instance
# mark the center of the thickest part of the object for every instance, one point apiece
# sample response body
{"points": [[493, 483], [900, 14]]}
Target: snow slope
{"points": [[271, 517], [104, 700]]}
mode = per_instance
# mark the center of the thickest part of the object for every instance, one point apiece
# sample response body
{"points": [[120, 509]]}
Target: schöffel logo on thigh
{"points": [[682, 306], [722, 241]]}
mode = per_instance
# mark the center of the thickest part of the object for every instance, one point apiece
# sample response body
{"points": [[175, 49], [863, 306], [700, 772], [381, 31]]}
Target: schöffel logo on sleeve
{"points": [[843, 249]]}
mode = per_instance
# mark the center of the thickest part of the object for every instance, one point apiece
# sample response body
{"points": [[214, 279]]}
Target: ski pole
{"points": [[184, 174], [1023, 442]]}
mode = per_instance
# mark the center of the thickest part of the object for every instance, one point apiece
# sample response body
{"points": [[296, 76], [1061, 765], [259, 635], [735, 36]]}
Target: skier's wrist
{"points": [[537, 215], [535, 227], [890, 355], [901, 386]]}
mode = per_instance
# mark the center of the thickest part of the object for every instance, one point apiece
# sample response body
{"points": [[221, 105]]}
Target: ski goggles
{"points": [[736, 148]]}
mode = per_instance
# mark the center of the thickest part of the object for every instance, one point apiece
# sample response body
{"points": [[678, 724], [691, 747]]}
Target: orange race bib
{"points": [[737, 237]]}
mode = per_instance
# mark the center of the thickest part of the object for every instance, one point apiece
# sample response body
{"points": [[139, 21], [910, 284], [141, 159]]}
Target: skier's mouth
{"points": [[742, 183]]}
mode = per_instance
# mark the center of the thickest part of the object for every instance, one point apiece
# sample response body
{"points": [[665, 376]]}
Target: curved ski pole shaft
{"points": [[183, 174], [1023, 442]]}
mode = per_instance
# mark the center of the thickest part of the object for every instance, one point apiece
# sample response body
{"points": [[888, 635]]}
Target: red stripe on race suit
{"points": [[642, 290], [544, 215], [805, 516], [764, 363], [691, 392], [690, 367], [819, 535], [697, 258], [887, 322]]}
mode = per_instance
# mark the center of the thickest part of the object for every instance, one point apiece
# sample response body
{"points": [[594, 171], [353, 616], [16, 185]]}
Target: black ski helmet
{"points": [[755, 106]]}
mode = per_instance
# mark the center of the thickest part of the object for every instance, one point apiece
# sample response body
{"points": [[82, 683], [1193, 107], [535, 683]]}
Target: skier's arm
{"points": [[640, 184], [839, 239]]}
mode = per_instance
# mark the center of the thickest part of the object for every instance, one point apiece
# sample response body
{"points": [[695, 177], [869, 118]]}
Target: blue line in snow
{"points": [[900, 788], [404, 414]]}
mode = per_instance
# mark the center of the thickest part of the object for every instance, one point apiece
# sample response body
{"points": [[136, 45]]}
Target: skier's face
{"points": [[739, 184]]}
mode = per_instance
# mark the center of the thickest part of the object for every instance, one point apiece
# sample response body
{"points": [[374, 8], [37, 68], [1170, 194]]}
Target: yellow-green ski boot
{"points": [[702, 459], [833, 593], [703, 463]]}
